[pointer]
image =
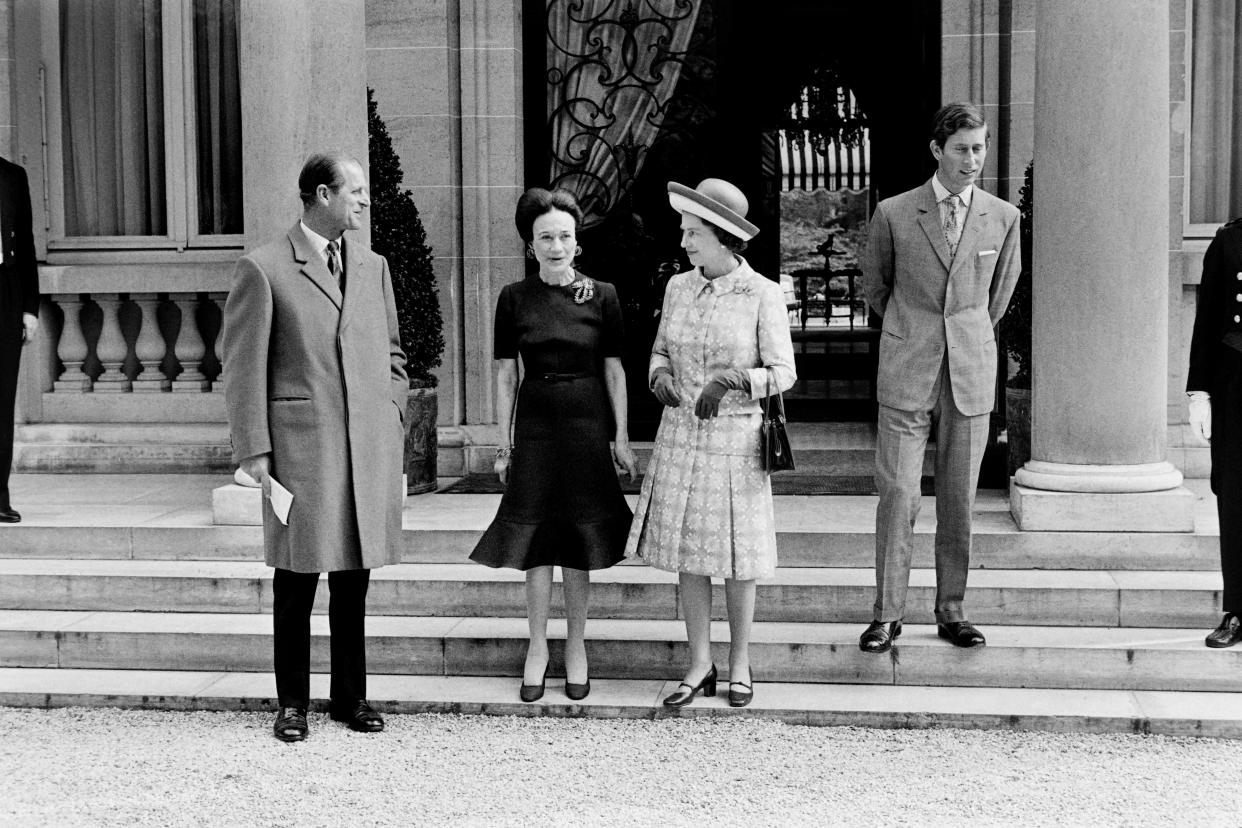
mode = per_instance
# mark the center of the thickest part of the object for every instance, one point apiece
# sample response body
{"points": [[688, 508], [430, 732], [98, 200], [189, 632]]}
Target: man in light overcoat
{"points": [[942, 261], [315, 382]]}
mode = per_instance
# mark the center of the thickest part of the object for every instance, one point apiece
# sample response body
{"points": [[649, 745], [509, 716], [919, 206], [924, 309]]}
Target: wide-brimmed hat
{"points": [[716, 201]]}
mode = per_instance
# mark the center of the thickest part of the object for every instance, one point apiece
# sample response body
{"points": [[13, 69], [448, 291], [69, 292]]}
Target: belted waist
{"points": [[554, 377]]}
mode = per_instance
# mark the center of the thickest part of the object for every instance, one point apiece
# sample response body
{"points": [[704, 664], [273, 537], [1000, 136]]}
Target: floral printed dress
{"points": [[706, 502]]}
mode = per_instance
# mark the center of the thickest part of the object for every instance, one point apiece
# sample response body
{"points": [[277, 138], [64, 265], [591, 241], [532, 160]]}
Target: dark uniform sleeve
{"points": [[23, 246], [1207, 331], [505, 344], [613, 340]]}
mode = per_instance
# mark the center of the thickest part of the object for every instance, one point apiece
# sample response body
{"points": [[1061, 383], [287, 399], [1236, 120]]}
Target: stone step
{"points": [[1032, 657], [124, 433], [813, 532], [118, 448], [796, 594], [1216, 715]]}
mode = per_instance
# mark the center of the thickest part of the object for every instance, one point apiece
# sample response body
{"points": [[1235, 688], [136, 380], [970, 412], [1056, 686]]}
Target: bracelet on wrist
{"points": [[503, 452]]}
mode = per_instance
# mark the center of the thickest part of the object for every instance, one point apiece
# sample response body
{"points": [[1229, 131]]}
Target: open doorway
{"points": [[621, 98]]}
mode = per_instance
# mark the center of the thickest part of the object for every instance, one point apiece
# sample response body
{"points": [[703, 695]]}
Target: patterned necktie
{"points": [[952, 232], [334, 264]]}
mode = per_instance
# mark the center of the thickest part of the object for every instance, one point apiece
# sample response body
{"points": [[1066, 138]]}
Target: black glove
{"points": [[708, 403]]}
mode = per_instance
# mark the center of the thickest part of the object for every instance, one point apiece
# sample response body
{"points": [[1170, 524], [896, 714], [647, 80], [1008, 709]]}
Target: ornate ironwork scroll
{"points": [[613, 67]]}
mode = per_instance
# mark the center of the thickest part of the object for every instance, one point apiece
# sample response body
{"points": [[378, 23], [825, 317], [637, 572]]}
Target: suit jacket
{"points": [[933, 306], [1218, 314], [19, 274], [318, 380]]}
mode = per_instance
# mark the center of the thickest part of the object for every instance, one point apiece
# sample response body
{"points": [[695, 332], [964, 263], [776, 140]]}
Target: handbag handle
{"points": [[767, 401]]}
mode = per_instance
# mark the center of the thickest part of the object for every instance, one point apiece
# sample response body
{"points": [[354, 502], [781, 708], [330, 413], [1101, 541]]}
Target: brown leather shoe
{"points": [[879, 637], [290, 725], [363, 717], [1227, 634], [960, 634]]}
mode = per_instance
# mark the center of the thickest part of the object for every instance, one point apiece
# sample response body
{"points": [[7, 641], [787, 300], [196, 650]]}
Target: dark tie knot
{"points": [[333, 262]]}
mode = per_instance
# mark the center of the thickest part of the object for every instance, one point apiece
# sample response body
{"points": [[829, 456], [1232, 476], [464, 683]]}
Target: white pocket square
{"points": [[987, 252]]}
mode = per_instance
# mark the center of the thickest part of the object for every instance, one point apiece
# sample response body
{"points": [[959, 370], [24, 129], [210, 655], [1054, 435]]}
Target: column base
{"points": [[1080, 477], [1040, 510]]}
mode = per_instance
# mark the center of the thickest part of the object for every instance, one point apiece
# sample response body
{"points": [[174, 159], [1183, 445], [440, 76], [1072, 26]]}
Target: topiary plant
{"points": [[397, 234], [1016, 323]]}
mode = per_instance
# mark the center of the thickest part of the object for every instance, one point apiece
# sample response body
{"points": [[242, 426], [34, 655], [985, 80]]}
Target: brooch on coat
{"points": [[584, 289], [744, 289]]}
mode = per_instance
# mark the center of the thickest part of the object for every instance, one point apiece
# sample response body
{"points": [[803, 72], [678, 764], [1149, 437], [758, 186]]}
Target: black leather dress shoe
{"points": [[879, 636], [363, 717], [290, 724], [9, 515], [960, 634], [1227, 634]]}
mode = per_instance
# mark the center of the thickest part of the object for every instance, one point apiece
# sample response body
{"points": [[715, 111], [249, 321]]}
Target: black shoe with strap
{"points": [[743, 696], [361, 717], [1228, 633], [290, 724], [686, 692]]}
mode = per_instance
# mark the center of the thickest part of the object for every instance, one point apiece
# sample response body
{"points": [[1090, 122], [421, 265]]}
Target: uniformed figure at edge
{"points": [[1214, 384]]}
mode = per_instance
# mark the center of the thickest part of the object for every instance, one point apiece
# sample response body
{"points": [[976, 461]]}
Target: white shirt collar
{"points": [[317, 241], [942, 192]]}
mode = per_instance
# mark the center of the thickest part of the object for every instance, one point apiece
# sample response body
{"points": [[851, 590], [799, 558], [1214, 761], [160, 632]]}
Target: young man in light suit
{"points": [[942, 261], [315, 382]]}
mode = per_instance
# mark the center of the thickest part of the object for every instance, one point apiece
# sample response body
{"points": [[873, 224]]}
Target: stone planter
{"points": [[1018, 426], [420, 441]]}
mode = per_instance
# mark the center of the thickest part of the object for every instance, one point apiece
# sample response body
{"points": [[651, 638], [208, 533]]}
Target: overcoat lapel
{"points": [[929, 220], [355, 279], [313, 266]]}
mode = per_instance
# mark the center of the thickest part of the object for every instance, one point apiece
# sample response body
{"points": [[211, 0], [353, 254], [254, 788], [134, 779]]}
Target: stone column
{"points": [[111, 347], [72, 347], [189, 348], [1100, 350], [302, 68]]}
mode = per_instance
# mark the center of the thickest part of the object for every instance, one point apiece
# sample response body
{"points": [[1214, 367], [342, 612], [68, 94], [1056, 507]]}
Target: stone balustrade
{"points": [[138, 343]]}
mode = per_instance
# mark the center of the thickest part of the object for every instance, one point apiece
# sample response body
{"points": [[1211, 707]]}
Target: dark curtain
{"points": [[218, 104], [112, 90]]}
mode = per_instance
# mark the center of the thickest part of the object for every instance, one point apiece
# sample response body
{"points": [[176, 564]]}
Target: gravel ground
{"points": [[136, 768]]}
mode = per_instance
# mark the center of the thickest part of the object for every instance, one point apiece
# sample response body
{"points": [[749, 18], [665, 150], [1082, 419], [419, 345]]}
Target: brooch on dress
{"points": [[744, 289], [584, 289]]}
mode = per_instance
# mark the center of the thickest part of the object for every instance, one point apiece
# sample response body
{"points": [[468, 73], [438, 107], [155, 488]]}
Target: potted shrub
{"points": [[1016, 335], [397, 234]]}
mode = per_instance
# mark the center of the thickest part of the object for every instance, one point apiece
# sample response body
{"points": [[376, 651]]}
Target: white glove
{"points": [[1201, 415]]}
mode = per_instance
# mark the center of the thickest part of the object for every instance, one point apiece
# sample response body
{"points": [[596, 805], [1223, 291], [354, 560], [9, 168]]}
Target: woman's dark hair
{"points": [[537, 201], [954, 116], [726, 238]]}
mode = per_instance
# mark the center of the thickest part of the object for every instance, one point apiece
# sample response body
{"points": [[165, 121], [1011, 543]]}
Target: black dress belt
{"points": [[552, 377]]}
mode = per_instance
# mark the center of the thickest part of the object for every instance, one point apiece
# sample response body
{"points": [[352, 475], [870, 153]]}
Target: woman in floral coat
{"points": [[706, 504]]}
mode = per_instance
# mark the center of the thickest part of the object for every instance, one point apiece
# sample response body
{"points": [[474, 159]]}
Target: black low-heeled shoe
{"points": [[741, 698], [290, 724], [534, 692], [686, 693], [577, 692]]}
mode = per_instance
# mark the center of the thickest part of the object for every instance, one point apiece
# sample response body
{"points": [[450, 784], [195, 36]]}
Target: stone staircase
{"points": [[132, 603]]}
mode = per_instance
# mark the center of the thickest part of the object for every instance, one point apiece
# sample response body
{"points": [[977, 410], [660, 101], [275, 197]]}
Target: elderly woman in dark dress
{"points": [[563, 504]]}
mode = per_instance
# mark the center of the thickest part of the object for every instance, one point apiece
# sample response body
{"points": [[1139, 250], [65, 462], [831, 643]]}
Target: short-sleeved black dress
{"points": [[563, 504]]}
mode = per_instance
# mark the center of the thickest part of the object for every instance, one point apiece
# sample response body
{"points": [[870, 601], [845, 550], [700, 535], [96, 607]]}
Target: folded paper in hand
{"points": [[281, 499]]}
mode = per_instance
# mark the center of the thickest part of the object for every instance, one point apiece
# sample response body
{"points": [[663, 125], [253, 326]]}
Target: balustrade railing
{"points": [[138, 343]]}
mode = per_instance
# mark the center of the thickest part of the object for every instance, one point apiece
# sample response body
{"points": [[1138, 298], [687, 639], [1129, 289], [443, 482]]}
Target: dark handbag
{"points": [[777, 456]]}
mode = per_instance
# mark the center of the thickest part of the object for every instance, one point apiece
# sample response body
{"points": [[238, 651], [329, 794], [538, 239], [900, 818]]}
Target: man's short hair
{"points": [[954, 116], [322, 168]]}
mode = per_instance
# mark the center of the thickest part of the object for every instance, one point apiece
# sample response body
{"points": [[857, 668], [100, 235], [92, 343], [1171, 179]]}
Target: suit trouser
{"points": [[293, 596], [1227, 471], [901, 441], [10, 360]]}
